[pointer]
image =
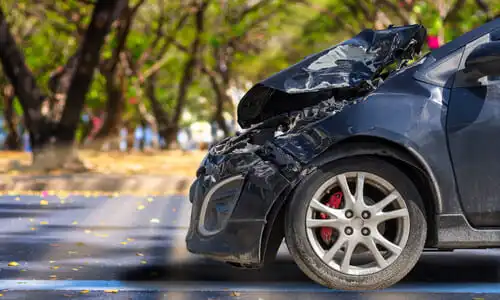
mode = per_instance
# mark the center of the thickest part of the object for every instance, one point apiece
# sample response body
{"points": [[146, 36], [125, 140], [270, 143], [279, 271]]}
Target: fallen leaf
{"points": [[123, 243], [44, 202], [33, 228], [143, 262], [74, 223], [80, 244], [111, 291], [72, 252], [52, 261], [130, 239], [87, 231], [62, 201], [32, 220], [235, 294], [1, 295], [54, 267], [141, 207], [13, 264], [74, 269], [84, 292], [53, 276], [150, 199], [101, 234], [44, 222], [17, 199], [155, 221], [139, 254]]}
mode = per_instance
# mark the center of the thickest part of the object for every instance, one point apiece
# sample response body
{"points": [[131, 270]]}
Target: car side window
{"points": [[463, 78]]}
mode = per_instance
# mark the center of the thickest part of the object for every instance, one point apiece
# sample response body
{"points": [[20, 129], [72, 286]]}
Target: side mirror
{"points": [[484, 60]]}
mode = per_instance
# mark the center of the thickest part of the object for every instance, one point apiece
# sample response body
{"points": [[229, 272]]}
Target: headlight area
{"points": [[238, 183], [239, 179], [218, 204]]}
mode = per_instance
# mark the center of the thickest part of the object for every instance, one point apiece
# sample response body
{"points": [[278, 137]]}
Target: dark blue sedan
{"points": [[360, 157]]}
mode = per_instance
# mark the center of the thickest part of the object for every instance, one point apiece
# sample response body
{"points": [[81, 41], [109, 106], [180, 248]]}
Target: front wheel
{"points": [[356, 224]]}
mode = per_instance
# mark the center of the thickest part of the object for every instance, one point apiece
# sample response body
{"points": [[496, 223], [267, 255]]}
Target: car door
{"points": [[473, 128]]}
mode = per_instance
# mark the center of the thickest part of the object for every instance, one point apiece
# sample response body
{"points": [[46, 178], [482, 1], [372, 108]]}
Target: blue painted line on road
{"points": [[99, 285]]}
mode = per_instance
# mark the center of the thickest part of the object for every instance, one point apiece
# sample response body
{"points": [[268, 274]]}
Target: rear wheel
{"points": [[356, 224]]}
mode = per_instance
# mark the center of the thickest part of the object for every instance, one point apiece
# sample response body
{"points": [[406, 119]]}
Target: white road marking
{"points": [[100, 285]]}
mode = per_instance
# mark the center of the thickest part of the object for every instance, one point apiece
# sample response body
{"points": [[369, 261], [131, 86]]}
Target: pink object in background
{"points": [[433, 41]]}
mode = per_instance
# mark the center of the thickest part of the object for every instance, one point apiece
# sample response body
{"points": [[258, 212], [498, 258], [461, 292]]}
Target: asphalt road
{"points": [[133, 248]]}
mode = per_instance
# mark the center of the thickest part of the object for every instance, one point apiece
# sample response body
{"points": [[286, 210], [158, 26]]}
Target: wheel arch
{"points": [[405, 158]]}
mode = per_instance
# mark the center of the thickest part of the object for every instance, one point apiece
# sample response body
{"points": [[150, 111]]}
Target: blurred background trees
{"points": [[91, 73]]}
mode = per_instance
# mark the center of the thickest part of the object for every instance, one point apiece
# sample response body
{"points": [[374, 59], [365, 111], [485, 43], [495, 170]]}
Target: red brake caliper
{"points": [[334, 202]]}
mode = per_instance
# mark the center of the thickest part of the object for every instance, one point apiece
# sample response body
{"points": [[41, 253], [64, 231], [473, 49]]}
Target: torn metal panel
{"points": [[355, 65], [317, 112]]}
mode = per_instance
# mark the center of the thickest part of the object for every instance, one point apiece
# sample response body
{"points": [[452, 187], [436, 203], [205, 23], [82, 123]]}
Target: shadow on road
{"points": [[114, 240]]}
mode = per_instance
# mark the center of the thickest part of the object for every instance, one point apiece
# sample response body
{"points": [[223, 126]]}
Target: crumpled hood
{"points": [[347, 67]]}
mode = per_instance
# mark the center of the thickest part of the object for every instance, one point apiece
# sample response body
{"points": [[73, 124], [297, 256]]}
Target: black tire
{"points": [[303, 253]]}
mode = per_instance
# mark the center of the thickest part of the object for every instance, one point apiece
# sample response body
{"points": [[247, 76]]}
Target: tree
{"points": [[157, 55], [13, 140], [52, 140], [237, 28], [114, 73]]}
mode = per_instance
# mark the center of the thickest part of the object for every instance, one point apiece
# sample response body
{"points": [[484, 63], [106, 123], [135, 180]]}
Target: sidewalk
{"points": [[168, 172], [87, 184]]}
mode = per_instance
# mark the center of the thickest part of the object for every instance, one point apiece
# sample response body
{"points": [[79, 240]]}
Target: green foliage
{"points": [[250, 43]]}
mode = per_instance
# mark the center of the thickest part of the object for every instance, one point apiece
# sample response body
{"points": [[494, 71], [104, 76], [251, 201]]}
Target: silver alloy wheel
{"points": [[358, 224]]}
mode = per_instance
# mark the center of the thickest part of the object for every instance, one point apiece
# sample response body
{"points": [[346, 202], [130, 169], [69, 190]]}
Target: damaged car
{"points": [[360, 157]]}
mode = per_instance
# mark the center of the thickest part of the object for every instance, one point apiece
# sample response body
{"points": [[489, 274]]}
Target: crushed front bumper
{"points": [[243, 181], [235, 189]]}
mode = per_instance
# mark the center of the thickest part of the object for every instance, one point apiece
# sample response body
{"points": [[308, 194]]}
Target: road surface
{"points": [[125, 247]]}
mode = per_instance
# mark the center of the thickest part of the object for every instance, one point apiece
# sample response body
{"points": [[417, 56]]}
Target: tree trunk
{"points": [[187, 77], [159, 113], [115, 83], [220, 99], [25, 87], [51, 141], [115, 105], [105, 12], [13, 140]]}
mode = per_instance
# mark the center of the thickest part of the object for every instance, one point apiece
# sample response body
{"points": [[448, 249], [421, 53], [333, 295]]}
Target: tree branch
{"points": [[187, 75], [252, 8], [401, 13], [135, 8], [329, 13], [168, 40], [19, 74], [453, 12], [88, 2]]}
